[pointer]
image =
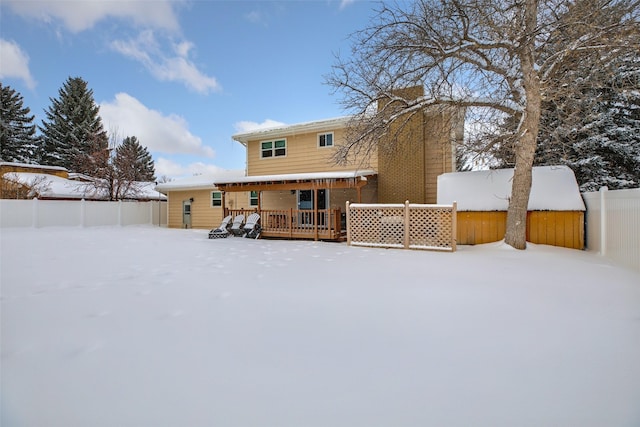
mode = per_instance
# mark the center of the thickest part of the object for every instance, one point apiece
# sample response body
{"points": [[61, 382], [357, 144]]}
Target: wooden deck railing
{"points": [[322, 224]]}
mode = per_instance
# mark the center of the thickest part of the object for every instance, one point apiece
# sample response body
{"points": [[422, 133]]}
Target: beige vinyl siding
{"points": [[279, 200], [339, 197], [203, 215], [238, 200], [303, 156]]}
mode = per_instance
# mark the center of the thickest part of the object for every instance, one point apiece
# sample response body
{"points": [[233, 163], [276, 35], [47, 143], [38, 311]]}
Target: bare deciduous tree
{"points": [[479, 54], [120, 171]]}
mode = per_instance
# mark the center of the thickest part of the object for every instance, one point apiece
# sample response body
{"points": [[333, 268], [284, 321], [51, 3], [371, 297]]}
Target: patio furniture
{"points": [[252, 227], [222, 231], [236, 227]]}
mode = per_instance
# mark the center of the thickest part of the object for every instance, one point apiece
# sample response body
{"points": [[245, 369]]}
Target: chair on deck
{"points": [[236, 227], [221, 231], [252, 228]]}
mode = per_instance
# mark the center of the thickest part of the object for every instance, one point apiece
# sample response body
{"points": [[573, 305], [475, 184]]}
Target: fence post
{"points": [[83, 213], [348, 226], [603, 220], [34, 212], [407, 225], [454, 225]]}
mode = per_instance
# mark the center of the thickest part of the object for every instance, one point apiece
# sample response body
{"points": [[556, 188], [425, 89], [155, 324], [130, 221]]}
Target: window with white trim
{"points": [[277, 148], [216, 199], [325, 139], [253, 198]]}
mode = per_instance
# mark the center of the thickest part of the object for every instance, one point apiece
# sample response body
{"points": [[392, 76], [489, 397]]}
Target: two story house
{"points": [[293, 180]]}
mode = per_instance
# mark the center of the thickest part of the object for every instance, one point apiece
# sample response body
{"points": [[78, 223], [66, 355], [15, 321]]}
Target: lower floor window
{"points": [[216, 198]]}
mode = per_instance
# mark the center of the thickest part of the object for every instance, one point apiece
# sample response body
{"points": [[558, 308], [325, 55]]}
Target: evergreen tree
{"points": [[600, 136], [592, 121], [73, 130], [18, 141], [593, 124], [133, 162]]}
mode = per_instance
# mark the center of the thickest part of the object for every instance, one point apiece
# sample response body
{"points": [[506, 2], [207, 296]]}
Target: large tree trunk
{"points": [[516, 233]]}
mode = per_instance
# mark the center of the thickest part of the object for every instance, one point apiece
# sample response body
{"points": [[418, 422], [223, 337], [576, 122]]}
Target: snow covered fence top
{"points": [[553, 188]]}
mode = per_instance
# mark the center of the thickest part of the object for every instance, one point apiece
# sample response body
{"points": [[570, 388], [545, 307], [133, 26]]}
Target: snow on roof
{"points": [[199, 182], [285, 130], [52, 186], [553, 188], [55, 187], [299, 177]]}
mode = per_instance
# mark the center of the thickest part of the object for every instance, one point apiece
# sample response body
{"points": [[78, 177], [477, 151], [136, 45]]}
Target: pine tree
{"points": [[133, 162], [591, 121], [599, 135], [18, 141], [592, 124], [73, 129]]}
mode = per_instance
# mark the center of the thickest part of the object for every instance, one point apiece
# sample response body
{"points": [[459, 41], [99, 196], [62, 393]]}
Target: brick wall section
{"points": [[410, 161]]}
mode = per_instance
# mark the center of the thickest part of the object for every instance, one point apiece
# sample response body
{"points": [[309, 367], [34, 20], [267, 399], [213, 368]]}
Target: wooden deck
{"points": [[300, 224]]}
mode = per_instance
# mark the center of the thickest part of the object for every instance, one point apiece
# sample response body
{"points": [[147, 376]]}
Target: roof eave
{"points": [[299, 128]]}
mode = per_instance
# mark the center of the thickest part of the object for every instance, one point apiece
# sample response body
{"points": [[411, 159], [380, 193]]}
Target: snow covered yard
{"points": [[142, 326]]}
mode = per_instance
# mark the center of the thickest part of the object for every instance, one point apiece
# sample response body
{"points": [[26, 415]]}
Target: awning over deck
{"points": [[298, 181]]}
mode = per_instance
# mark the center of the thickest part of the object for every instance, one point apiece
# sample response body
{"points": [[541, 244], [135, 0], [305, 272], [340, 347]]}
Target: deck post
{"points": [[290, 223], [224, 205], [315, 213]]}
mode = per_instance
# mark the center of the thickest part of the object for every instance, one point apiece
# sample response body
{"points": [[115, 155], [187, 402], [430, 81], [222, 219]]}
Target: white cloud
{"points": [[246, 126], [14, 63], [77, 16], [167, 167], [345, 3], [127, 116], [176, 66]]}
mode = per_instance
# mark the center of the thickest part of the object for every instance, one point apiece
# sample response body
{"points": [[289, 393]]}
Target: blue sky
{"points": [[182, 76]]}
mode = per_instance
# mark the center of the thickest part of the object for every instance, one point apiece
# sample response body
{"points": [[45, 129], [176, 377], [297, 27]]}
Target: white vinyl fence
{"points": [[613, 225], [80, 213]]}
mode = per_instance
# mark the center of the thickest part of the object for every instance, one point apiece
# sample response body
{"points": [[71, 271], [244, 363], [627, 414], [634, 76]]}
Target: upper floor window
{"points": [[325, 139], [253, 198], [276, 148], [216, 198]]}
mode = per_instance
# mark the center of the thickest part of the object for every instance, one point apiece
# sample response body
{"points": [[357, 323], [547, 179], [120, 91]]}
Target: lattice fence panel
{"points": [[401, 226], [431, 227], [376, 225]]}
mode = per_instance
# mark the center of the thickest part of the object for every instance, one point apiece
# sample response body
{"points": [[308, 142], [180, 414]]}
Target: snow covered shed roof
{"points": [[553, 188], [54, 187], [31, 166]]}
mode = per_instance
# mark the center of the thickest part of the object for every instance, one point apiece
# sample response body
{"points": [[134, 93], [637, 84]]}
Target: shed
{"points": [[555, 212]]}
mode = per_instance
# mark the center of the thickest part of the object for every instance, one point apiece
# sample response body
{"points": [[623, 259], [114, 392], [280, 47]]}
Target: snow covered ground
{"points": [[142, 326]]}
